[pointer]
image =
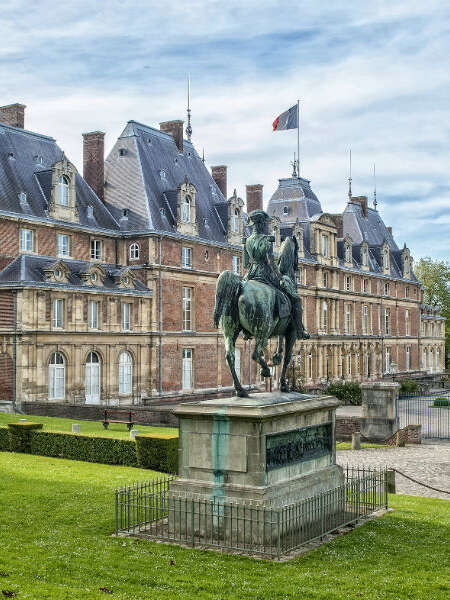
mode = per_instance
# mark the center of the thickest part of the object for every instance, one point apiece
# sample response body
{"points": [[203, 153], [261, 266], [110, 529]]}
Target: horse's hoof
{"points": [[241, 394], [266, 372]]}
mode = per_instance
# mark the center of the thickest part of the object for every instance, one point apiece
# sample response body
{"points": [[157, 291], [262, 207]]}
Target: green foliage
{"points": [[442, 401], [349, 393], [407, 386], [4, 439], [20, 435], [80, 447], [158, 452]]}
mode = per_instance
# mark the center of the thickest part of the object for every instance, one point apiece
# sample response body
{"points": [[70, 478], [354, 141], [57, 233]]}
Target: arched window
{"points": [[56, 377], [63, 190], [235, 221], [134, 251], [125, 373], [92, 380], [186, 209]]}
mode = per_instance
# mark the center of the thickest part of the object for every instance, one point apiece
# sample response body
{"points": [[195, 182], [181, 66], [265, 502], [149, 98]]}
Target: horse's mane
{"points": [[288, 258]]}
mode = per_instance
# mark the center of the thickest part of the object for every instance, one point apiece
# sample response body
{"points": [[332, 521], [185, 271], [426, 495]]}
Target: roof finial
{"points": [[294, 167], [189, 128], [374, 188], [350, 176]]}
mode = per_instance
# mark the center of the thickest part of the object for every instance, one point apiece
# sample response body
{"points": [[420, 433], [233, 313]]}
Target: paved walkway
{"points": [[428, 462]]}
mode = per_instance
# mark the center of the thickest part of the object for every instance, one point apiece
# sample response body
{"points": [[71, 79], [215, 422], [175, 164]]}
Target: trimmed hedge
{"points": [[442, 401], [20, 436], [408, 386], [4, 439], [158, 452], [108, 451], [349, 393]]}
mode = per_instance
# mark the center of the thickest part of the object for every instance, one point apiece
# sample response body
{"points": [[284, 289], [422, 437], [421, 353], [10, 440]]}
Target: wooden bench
{"points": [[118, 416]]}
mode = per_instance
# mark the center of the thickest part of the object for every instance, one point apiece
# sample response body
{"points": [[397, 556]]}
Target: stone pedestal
{"points": [[379, 410], [255, 453]]}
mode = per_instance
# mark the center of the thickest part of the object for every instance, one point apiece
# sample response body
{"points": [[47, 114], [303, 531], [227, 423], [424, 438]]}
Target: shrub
{"points": [[441, 401], [4, 439], [158, 451], [20, 435], [108, 451], [407, 386], [349, 393]]}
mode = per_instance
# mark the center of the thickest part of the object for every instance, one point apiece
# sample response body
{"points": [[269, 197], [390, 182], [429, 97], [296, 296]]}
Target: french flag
{"points": [[287, 120]]}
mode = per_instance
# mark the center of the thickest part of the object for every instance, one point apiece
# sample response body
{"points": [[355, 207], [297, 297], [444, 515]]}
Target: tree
{"points": [[435, 276]]}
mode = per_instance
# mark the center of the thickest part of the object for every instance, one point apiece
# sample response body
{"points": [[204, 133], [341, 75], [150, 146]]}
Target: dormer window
{"points": [[386, 259], [348, 253], [90, 212], [134, 251], [163, 212], [186, 209], [94, 277], [63, 190], [23, 199], [285, 210], [122, 151], [162, 174], [324, 245], [364, 257], [235, 221]]}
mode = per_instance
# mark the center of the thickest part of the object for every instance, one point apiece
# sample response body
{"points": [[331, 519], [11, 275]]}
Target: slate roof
{"points": [[154, 158], [371, 228], [28, 270], [297, 195], [26, 159]]}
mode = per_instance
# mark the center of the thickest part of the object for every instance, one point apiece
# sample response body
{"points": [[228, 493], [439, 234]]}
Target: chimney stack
{"points": [[219, 174], [362, 200], [93, 161], [390, 230], [13, 114], [176, 129], [254, 197]]}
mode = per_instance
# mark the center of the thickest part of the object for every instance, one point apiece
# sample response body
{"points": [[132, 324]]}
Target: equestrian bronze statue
{"points": [[263, 305]]}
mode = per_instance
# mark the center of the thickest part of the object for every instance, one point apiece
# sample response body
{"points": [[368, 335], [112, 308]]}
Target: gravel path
{"points": [[428, 462]]}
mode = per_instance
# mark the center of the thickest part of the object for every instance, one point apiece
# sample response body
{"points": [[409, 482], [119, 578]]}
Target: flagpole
{"points": [[298, 136]]}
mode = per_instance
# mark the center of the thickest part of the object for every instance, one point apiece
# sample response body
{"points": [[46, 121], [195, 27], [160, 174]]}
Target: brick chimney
{"points": [[176, 129], [254, 197], [13, 114], [219, 174], [390, 230], [362, 200], [93, 161]]}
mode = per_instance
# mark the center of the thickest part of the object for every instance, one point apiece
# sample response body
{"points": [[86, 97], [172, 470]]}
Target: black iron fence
{"points": [[148, 510], [431, 411]]}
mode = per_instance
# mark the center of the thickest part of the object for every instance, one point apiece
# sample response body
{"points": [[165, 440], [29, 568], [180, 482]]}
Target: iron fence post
{"points": [[278, 535], [192, 523]]}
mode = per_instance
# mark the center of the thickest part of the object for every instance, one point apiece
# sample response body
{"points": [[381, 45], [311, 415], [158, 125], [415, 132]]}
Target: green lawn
{"points": [[56, 517], [348, 446], [115, 430]]}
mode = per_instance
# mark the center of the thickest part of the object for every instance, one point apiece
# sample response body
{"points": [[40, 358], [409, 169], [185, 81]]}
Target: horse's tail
{"points": [[228, 289]]}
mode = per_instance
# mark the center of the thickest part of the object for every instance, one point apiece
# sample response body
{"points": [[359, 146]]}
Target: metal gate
{"points": [[426, 410]]}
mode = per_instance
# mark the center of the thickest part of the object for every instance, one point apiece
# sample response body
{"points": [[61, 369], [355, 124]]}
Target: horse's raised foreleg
{"points": [[231, 333], [276, 358], [258, 356], [290, 337]]}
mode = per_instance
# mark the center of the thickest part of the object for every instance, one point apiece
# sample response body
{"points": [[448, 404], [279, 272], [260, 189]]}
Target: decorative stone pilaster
{"points": [[379, 419]]}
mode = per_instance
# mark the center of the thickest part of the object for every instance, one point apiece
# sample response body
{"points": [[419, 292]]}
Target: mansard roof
{"points": [[29, 271], [154, 168], [296, 194], [371, 228], [26, 160]]}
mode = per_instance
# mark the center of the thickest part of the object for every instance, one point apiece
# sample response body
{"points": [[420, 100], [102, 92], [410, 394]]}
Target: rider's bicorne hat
{"points": [[258, 216]]}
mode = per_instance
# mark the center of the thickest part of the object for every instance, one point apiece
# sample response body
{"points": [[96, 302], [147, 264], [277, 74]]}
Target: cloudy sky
{"points": [[373, 77]]}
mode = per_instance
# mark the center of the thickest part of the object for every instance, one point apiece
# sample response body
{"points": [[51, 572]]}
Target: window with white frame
{"points": [[134, 251], [63, 242], [310, 365], [27, 240], [406, 292], [324, 245], [349, 364], [235, 221], [348, 283], [407, 358], [236, 265], [325, 279], [187, 309], [186, 209], [56, 377], [365, 285], [93, 314], [387, 360], [406, 322], [438, 359], [63, 190], [96, 249], [186, 257], [386, 289], [126, 316], [365, 258], [324, 315], [431, 360], [366, 364], [424, 358], [347, 321], [58, 309], [365, 319], [186, 376], [386, 259], [125, 373], [387, 321], [299, 276]]}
